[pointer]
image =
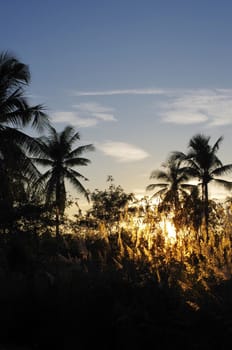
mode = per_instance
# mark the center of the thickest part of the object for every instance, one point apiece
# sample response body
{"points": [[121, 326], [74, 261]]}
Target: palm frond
{"points": [[177, 156], [214, 162], [53, 136], [223, 170], [40, 119], [41, 182], [75, 137], [80, 150], [26, 142], [12, 71], [193, 169], [29, 169], [69, 136], [77, 174], [159, 174], [77, 162], [188, 186], [42, 161], [13, 104], [152, 187], [44, 147], [217, 144], [159, 193], [199, 142], [71, 177]]}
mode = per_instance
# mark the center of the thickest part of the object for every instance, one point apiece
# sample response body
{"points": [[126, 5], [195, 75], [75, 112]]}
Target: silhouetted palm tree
{"points": [[58, 155], [203, 164], [16, 113], [174, 184]]}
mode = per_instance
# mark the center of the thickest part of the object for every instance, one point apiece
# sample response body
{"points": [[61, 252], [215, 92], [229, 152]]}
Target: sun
{"points": [[169, 230]]}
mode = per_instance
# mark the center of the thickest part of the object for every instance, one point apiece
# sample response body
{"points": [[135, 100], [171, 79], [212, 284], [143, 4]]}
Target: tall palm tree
{"points": [[58, 155], [204, 165], [174, 184], [16, 113]]}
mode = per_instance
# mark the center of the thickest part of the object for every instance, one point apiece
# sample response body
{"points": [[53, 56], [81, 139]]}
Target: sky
{"points": [[136, 78]]}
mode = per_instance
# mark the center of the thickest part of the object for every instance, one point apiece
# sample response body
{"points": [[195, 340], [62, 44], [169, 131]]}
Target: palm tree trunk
{"points": [[57, 222], [58, 208], [206, 211]]}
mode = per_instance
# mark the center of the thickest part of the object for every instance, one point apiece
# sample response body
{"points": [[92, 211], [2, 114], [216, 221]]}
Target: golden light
{"points": [[169, 230]]}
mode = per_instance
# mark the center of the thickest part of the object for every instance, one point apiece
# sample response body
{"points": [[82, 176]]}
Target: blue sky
{"points": [[137, 78]]}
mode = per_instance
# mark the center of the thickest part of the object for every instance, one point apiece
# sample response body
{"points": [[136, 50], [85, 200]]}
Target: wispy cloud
{"points": [[122, 152], [73, 118], [211, 107], [184, 116], [120, 92], [85, 115], [96, 110]]}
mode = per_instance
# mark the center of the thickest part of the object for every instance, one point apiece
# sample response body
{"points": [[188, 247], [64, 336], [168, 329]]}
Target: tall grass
{"points": [[127, 279]]}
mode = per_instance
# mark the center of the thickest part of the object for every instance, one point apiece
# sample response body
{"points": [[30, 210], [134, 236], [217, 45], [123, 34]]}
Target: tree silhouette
{"points": [[174, 184], [204, 165], [57, 154], [109, 204], [15, 114]]}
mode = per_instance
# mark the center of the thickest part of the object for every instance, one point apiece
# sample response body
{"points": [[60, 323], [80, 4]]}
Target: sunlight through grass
{"points": [[169, 230]]}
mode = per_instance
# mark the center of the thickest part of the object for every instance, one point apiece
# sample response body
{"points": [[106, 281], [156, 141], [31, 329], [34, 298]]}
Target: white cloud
{"points": [[209, 107], [188, 117], [120, 92], [212, 107], [122, 152], [73, 119], [105, 116], [85, 115], [93, 107], [96, 110]]}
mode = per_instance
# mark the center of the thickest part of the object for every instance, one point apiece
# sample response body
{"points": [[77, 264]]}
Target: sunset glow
{"points": [[169, 230], [116, 174]]}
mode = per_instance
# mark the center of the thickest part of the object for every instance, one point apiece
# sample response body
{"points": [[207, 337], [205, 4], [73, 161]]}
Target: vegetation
{"points": [[130, 272], [16, 168], [204, 165], [56, 153], [174, 190]]}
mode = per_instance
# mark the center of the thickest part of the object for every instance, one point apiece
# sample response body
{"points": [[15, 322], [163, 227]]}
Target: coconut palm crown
{"points": [[15, 114], [57, 154], [173, 184], [15, 111], [204, 165]]}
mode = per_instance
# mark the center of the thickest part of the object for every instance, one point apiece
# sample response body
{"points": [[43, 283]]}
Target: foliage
{"points": [[174, 187], [56, 153], [16, 113], [109, 205], [204, 165], [134, 283]]}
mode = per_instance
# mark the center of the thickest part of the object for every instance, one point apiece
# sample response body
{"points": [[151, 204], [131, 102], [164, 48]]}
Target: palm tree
{"points": [[174, 185], [203, 164], [16, 113], [58, 155]]}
